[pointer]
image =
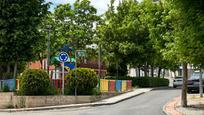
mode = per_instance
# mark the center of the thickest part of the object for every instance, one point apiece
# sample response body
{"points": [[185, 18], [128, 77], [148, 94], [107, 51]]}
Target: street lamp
{"points": [[99, 61], [48, 47]]}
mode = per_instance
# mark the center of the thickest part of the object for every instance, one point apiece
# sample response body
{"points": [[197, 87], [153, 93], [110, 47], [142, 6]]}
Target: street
{"points": [[150, 103]]}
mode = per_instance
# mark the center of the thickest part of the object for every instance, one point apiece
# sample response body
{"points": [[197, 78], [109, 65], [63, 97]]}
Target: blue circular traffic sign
{"points": [[63, 56]]}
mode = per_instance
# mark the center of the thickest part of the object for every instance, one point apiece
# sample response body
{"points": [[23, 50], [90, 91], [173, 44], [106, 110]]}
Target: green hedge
{"points": [[86, 81], [144, 81], [34, 82]]}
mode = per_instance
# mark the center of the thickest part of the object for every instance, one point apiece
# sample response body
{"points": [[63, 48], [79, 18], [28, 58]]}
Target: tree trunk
{"points": [[0, 68], [15, 70], [163, 73], [8, 68], [139, 71], [117, 66], [145, 70], [184, 87], [41, 64], [174, 73], [201, 84], [152, 70], [159, 72]]}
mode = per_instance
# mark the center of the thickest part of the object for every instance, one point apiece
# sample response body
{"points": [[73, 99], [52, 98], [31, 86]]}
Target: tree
{"points": [[184, 40], [76, 24], [49, 29], [19, 34], [125, 34]]}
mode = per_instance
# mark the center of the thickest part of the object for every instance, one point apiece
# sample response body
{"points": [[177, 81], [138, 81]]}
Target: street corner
{"points": [[170, 107], [195, 105]]}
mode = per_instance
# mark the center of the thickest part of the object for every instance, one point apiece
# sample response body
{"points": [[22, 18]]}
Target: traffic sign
{"points": [[63, 56]]}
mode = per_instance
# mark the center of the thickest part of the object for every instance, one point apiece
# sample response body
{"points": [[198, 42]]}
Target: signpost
{"points": [[78, 53], [63, 57]]}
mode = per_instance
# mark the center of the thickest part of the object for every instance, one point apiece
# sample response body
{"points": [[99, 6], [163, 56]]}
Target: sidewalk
{"points": [[195, 106], [108, 101]]}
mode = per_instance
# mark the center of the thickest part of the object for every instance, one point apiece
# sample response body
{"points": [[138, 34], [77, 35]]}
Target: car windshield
{"points": [[196, 75]]}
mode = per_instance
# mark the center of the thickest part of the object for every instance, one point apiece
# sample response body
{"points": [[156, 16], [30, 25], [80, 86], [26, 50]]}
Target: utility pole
{"points": [[75, 89], [99, 61], [48, 48]]}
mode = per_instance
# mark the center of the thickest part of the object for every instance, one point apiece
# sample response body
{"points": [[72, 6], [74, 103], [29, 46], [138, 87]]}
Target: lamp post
{"points": [[99, 61], [76, 68], [48, 47]]}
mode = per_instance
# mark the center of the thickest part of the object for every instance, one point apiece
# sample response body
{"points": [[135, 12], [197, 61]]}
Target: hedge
{"points": [[143, 81]]}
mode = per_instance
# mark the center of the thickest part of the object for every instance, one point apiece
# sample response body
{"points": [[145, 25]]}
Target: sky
{"points": [[100, 5]]}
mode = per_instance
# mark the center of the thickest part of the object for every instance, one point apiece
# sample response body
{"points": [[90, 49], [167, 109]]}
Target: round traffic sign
{"points": [[63, 56]]}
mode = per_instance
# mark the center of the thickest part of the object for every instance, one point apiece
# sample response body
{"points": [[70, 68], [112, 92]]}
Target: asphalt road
{"points": [[150, 103]]}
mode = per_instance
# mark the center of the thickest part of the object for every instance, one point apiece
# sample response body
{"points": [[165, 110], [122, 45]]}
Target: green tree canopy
{"points": [[19, 32], [75, 24]]}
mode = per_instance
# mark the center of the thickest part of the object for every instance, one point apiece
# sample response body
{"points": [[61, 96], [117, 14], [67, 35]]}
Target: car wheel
{"points": [[174, 86]]}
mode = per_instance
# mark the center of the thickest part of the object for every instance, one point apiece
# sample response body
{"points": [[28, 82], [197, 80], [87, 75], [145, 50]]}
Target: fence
{"points": [[115, 85], [105, 85], [57, 83], [11, 83]]}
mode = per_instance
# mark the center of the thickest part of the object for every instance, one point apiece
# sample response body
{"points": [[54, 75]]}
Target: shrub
{"points": [[86, 81], [143, 81], [34, 82]]}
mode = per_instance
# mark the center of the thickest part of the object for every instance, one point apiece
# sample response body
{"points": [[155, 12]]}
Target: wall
{"points": [[6, 100], [9, 100], [111, 86]]}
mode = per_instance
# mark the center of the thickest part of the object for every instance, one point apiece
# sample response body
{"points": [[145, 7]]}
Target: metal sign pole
{"points": [[75, 93], [63, 78], [63, 57]]}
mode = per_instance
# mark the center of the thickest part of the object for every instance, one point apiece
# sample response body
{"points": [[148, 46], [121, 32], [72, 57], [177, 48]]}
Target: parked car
{"points": [[193, 82], [178, 81]]}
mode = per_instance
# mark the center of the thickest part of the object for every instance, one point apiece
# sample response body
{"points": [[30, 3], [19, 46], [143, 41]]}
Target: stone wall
{"points": [[9, 100], [6, 100]]}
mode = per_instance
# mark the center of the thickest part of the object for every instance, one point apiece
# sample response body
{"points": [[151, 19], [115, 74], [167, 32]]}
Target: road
{"points": [[150, 103]]}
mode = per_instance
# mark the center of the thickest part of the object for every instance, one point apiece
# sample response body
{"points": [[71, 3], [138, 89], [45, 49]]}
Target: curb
{"points": [[159, 88], [128, 98], [172, 108], [73, 105], [163, 109]]}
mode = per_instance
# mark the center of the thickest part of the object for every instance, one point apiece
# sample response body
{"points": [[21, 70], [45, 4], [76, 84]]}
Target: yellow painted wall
{"points": [[104, 85], [124, 85]]}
